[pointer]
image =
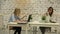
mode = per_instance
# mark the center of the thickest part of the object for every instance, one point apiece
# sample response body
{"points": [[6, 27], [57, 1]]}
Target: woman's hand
{"points": [[19, 21], [52, 21]]}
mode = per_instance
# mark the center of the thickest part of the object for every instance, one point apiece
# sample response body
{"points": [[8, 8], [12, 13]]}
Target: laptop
{"points": [[25, 22]]}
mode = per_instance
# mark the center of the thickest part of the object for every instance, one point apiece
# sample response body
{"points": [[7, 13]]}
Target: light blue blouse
{"points": [[13, 18]]}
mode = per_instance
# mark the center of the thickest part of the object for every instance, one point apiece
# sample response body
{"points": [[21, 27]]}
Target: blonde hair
{"points": [[17, 12]]}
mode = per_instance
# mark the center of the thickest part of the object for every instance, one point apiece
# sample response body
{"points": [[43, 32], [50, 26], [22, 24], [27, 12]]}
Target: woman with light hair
{"points": [[15, 18]]}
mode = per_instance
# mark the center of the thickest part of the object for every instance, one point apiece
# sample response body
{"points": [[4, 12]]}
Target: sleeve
{"points": [[53, 18], [18, 18], [12, 18]]}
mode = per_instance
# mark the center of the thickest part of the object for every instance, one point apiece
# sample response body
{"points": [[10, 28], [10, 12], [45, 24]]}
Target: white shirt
{"points": [[48, 18]]}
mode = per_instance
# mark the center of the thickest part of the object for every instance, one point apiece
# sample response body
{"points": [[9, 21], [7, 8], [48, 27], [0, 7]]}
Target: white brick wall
{"points": [[28, 7]]}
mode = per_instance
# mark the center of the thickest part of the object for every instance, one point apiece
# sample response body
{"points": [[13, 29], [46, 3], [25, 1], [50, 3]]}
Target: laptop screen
{"points": [[29, 18]]}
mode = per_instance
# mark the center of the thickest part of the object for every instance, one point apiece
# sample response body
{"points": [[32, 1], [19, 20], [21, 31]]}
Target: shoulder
{"points": [[12, 16], [54, 14]]}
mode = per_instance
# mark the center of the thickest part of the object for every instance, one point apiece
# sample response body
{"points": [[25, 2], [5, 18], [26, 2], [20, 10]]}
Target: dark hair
{"points": [[51, 12]]}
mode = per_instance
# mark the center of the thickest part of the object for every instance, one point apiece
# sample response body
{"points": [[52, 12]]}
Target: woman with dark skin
{"points": [[49, 13]]}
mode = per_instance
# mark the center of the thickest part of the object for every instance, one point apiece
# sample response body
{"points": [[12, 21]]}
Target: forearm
{"points": [[52, 21]]}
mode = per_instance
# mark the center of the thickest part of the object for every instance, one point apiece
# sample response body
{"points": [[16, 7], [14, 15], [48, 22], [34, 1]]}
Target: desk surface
{"points": [[38, 23], [15, 23], [34, 23]]}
